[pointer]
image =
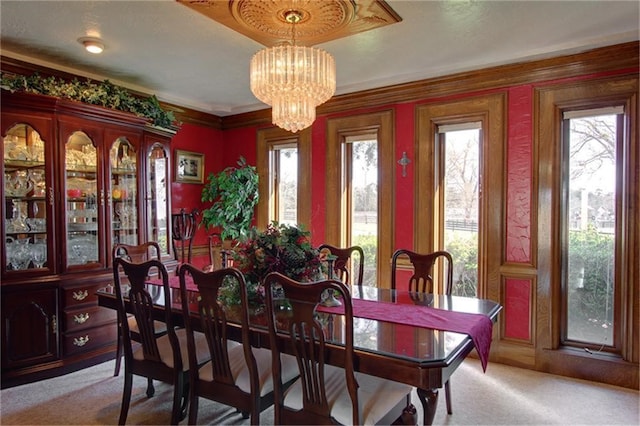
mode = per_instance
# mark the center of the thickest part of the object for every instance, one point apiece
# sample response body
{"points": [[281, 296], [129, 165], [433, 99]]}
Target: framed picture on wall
{"points": [[189, 167]]}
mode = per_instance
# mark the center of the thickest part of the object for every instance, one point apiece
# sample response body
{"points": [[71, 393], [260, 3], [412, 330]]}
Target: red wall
{"points": [[205, 141], [229, 145]]}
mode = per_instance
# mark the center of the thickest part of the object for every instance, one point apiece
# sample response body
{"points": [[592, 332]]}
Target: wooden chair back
{"points": [[137, 253], [342, 265], [422, 279], [306, 336], [183, 229], [213, 317], [154, 362]]}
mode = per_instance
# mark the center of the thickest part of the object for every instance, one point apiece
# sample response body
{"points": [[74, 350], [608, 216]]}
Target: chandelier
{"points": [[293, 80]]}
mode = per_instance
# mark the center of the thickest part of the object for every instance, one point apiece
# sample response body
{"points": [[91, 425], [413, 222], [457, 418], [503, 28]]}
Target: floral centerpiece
{"points": [[280, 248]]}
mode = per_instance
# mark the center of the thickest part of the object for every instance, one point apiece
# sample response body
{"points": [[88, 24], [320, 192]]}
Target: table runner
{"points": [[477, 326]]}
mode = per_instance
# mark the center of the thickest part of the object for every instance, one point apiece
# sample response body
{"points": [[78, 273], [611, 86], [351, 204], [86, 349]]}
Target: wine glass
{"points": [[39, 254]]}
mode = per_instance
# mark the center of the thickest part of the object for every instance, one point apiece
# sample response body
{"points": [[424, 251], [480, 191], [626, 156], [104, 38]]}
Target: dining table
{"points": [[414, 338]]}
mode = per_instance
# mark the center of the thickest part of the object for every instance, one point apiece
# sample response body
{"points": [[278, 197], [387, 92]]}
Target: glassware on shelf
{"points": [[39, 182], [82, 249], [39, 253], [18, 252], [17, 184], [18, 223]]}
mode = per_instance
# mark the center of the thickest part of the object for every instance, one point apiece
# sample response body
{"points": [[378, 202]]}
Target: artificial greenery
{"points": [[104, 93], [234, 194]]}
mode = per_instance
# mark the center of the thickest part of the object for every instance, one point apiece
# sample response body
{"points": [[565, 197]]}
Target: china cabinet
{"points": [[76, 180]]}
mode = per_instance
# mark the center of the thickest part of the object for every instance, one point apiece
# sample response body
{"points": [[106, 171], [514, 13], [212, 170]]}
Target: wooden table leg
{"points": [[429, 400]]}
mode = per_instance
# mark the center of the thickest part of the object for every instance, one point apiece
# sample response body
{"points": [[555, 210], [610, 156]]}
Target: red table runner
{"points": [[477, 326]]}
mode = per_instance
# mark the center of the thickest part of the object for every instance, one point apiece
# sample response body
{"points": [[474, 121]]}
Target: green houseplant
{"points": [[233, 193]]}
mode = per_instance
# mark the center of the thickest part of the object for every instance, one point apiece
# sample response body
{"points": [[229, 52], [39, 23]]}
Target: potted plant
{"points": [[234, 194]]}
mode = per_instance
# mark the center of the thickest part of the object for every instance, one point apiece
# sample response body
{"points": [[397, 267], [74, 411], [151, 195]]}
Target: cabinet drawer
{"points": [[89, 339], [81, 295], [88, 317]]}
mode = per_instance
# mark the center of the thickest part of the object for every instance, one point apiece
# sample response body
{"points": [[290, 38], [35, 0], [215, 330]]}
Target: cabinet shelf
{"points": [[11, 164]]}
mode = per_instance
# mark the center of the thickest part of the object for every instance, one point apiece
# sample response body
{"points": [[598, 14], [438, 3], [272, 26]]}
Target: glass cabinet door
{"points": [[81, 192], [157, 197], [25, 221], [124, 193]]}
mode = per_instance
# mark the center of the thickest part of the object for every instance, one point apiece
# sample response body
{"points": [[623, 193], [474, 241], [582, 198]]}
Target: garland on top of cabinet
{"points": [[104, 93]]}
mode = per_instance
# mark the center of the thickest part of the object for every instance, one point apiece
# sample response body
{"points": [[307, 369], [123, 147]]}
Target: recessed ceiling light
{"points": [[92, 45]]}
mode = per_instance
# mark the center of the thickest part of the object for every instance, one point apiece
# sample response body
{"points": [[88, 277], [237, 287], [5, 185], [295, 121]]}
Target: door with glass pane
{"points": [[157, 197], [27, 199], [122, 194], [83, 199]]}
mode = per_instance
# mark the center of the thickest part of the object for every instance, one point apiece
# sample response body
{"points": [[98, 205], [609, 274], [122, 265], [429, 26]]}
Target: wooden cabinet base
{"points": [[17, 377]]}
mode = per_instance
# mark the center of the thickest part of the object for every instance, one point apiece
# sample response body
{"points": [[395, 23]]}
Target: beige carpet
{"points": [[503, 396]]}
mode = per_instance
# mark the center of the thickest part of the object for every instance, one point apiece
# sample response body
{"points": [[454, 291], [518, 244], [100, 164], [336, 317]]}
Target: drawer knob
{"points": [[81, 319], [80, 295], [81, 341]]}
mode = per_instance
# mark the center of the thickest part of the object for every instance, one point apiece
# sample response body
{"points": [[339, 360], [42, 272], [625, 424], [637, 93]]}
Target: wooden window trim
{"points": [[490, 111], [266, 138], [548, 105], [338, 129]]}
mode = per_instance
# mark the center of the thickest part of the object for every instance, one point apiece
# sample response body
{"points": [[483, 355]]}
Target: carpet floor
{"points": [[502, 396]]}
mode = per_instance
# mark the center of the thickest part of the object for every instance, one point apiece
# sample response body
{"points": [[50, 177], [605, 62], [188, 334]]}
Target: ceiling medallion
{"points": [[290, 75], [321, 21]]}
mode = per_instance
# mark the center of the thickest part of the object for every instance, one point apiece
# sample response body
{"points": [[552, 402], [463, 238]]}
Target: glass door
{"points": [[157, 197], [124, 193], [25, 221], [81, 192]]}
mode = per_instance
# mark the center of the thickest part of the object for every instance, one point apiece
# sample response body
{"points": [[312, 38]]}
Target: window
{"points": [[284, 184], [283, 162], [359, 189], [592, 139], [460, 188], [458, 151], [588, 268], [360, 186]]}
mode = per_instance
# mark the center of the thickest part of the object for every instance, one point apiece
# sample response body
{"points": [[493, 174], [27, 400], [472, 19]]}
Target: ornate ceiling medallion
{"points": [[321, 21]]}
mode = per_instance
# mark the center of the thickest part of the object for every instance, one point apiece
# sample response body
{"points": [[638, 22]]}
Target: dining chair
{"points": [[422, 281], [163, 357], [344, 262], [136, 254], [324, 394], [238, 374], [183, 229]]}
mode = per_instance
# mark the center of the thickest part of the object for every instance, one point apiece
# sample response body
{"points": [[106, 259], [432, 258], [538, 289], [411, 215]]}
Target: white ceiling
{"points": [[164, 48]]}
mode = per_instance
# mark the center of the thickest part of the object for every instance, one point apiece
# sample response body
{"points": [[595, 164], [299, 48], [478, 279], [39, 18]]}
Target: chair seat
{"points": [[376, 396], [263, 362], [166, 354]]}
